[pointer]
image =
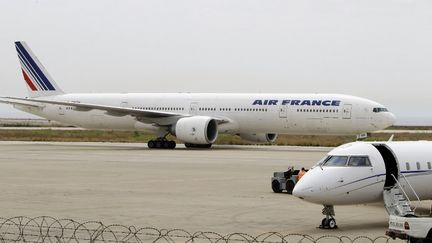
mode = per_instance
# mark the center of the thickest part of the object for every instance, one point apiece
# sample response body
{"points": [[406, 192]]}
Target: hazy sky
{"points": [[377, 49]]}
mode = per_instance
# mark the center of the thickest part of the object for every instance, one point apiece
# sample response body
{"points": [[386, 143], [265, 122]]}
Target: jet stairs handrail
{"points": [[403, 191]]}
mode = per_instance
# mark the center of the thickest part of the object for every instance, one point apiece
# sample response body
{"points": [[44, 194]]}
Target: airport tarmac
{"points": [[225, 189]]}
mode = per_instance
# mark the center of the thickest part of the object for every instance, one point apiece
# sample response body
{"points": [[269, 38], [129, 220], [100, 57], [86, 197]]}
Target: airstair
{"points": [[396, 199], [403, 221]]}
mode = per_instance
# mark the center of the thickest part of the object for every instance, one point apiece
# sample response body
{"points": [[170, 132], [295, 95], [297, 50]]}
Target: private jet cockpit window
{"points": [[335, 161], [352, 161], [359, 161]]}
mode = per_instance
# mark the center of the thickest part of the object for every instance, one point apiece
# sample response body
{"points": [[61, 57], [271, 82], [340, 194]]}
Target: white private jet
{"points": [[362, 172], [196, 119]]}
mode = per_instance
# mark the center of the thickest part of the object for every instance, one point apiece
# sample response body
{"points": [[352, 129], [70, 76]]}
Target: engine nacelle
{"points": [[197, 130], [259, 137]]}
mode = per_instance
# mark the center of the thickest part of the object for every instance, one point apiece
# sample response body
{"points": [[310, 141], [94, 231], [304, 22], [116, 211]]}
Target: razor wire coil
{"points": [[49, 229]]}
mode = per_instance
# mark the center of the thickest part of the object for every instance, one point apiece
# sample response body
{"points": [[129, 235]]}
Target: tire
{"points": [[206, 145], [290, 186], [165, 145], [324, 223], [192, 145], [332, 224], [151, 144], [158, 144], [172, 144], [276, 186]]}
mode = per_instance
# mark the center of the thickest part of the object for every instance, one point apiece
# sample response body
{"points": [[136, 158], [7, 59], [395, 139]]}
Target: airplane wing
{"points": [[20, 102], [160, 118]]}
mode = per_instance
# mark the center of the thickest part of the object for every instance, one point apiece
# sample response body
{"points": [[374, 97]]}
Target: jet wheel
{"points": [[161, 144], [151, 144], [328, 223], [332, 224], [201, 146]]}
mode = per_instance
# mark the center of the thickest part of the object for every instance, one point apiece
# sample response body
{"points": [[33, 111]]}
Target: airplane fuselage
{"points": [[406, 163], [317, 114]]}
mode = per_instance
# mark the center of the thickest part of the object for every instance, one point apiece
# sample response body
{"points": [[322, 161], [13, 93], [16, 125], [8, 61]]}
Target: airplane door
{"points": [[283, 111], [61, 110], [346, 112], [193, 108], [283, 115], [124, 104]]}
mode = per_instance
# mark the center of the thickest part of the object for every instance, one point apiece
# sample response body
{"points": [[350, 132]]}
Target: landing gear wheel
{"points": [[151, 144], [192, 145], [158, 144], [171, 144], [328, 222], [161, 144], [331, 223], [165, 144], [323, 223]]}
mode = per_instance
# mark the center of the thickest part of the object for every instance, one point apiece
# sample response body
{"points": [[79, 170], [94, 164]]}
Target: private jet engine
{"points": [[259, 137], [197, 131]]}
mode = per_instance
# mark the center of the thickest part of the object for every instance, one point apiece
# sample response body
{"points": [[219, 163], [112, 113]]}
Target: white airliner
{"points": [[196, 119], [359, 173]]}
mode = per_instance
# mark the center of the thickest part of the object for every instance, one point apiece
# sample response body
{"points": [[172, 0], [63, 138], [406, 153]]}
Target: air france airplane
{"points": [[360, 172], [197, 119]]}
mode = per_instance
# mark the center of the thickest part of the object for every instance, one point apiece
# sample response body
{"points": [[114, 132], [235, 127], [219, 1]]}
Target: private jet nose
{"points": [[309, 187]]}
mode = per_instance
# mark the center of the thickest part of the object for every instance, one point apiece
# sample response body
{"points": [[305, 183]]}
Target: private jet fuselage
{"points": [[357, 173]]}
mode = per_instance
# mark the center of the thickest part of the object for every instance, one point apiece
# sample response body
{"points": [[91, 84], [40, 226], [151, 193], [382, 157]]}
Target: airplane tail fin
{"points": [[38, 80]]}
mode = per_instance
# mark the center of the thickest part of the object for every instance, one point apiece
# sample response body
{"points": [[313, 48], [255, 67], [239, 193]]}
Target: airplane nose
{"points": [[391, 119], [297, 191], [301, 189]]}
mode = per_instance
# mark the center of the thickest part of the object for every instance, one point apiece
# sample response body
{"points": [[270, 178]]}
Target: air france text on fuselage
{"points": [[298, 102]]}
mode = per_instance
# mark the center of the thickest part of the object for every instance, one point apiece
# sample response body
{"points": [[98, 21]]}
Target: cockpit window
{"points": [[335, 161], [379, 109], [357, 161]]}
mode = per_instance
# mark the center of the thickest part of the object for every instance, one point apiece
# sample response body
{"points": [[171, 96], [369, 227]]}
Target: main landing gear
{"points": [[161, 143], [328, 222], [192, 145]]}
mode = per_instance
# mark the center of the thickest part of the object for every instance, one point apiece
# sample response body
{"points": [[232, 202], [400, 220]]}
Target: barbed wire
{"points": [[49, 229]]}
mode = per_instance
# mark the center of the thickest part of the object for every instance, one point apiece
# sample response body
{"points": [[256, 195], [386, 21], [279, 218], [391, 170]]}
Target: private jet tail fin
{"points": [[38, 80]]}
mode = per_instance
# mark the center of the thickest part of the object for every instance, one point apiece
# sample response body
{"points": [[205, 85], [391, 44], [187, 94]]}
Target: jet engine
{"points": [[197, 130], [259, 137]]}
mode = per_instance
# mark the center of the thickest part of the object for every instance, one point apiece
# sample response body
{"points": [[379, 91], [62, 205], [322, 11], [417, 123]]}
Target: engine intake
{"points": [[197, 130]]}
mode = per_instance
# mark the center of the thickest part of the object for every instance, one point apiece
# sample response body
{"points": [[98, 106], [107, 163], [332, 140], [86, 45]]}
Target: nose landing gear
{"points": [[329, 222]]}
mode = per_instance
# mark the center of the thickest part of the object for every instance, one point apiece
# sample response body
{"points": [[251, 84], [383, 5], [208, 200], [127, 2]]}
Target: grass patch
{"points": [[139, 137]]}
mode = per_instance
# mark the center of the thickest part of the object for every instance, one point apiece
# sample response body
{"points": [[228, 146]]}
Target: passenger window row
{"points": [[318, 110], [251, 109], [418, 165], [235, 109], [159, 108]]}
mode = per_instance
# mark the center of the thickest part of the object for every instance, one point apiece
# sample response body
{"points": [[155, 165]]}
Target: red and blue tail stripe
{"points": [[33, 74]]}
